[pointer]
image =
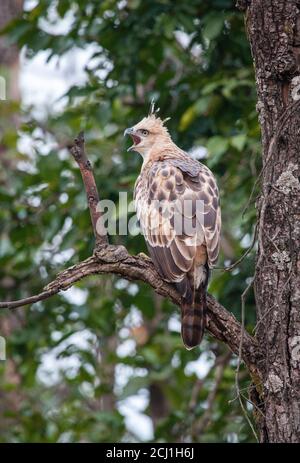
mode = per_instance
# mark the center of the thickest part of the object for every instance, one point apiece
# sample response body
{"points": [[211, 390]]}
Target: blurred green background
{"points": [[104, 362]]}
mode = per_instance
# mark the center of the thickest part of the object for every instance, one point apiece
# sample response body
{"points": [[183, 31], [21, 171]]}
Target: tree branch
{"points": [[78, 152], [108, 259], [116, 260]]}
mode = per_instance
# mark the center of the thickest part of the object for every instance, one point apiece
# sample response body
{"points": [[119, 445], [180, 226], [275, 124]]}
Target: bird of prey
{"points": [[177, 205]]}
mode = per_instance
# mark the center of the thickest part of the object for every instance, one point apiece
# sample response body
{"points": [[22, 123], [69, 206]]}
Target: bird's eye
{"points": [[144, 132]]}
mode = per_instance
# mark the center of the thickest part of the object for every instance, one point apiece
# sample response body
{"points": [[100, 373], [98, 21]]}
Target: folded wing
{"points": [[178, 210]]}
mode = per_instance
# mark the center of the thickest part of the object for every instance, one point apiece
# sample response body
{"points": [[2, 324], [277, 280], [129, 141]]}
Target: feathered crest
{"points": [[154, 111]]}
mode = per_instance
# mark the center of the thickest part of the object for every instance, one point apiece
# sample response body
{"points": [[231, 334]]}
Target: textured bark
{"points": [[273, 28]]}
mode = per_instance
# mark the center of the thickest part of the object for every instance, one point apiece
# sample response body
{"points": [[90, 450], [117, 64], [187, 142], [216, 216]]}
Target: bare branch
{"points": [[116, 260], [78, 152], [28, 300]]}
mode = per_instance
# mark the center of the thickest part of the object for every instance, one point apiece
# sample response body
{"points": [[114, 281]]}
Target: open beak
{"points": [[135, 138]]}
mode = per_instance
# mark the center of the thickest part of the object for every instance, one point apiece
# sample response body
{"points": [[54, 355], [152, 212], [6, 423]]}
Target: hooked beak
{"points": [[135, 138], [128, 131]]}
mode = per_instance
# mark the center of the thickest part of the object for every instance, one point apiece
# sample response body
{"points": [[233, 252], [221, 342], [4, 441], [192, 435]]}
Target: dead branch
{"points": [[78, 152]]}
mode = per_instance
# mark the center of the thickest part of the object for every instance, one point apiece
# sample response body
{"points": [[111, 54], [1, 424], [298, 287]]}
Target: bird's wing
{"points": [[172, 229], [202, 182]]}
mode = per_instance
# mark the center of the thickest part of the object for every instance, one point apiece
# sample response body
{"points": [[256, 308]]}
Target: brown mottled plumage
{"points": [[177, 204]]}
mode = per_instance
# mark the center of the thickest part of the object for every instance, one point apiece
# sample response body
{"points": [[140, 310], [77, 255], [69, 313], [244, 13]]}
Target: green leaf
{"points": [[213, 25], [187, 118], [134, 385], [238, 141], [216, 147]]}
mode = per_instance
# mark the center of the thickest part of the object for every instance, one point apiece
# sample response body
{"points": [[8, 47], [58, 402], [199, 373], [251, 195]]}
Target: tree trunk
{"points": [[273, 27]]}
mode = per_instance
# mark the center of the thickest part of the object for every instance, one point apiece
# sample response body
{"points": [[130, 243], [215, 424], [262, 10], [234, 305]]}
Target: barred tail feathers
{"points": [[193, 309], [193, 320]]}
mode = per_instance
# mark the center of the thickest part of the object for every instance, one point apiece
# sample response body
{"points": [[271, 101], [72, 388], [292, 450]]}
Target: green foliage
{"points": [[194, 58]]}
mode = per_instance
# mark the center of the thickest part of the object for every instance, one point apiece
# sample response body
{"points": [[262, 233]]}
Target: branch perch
{"points": [[116, 260]]}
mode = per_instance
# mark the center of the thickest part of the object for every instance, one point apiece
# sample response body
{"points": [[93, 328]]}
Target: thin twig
{"points": [[235, 264], [237, 387], [28, 300], [252, 193], [202, 423], [200, 382]]}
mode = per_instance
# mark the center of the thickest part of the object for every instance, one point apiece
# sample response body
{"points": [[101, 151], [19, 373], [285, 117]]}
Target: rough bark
{"points": [[273, 28]]}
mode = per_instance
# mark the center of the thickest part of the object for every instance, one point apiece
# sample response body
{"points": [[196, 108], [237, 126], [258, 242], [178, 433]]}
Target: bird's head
{"points": [[147, 133]]}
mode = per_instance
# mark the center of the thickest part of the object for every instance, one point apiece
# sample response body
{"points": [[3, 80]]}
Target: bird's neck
{"points": [[161, 150]]}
